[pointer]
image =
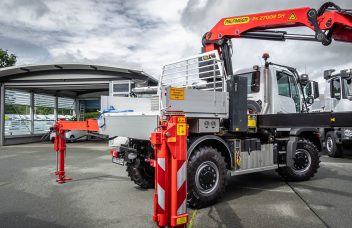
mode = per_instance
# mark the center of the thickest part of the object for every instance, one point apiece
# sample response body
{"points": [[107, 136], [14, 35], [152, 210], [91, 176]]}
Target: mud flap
{"points": [[291, 150]]}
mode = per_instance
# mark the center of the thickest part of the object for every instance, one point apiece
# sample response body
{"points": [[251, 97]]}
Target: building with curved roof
{"points": [[33, 97]]}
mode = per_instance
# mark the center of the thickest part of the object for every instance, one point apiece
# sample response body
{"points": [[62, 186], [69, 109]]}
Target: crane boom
{"points": [[328, 23]]}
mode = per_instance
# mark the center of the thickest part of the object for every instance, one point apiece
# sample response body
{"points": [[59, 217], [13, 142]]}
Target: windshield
{"points": [[253, 81], [348, 86]]}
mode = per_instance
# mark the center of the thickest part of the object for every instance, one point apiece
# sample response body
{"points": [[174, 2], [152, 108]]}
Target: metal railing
{"points": [[204, 72]]}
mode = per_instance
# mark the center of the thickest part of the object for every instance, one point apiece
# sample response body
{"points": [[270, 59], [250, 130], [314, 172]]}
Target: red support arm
{"points": [[60, 128], [88, 125]]}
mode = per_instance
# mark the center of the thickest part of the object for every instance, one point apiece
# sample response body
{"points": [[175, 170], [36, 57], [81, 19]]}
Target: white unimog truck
{"points": [[225, 133], [234, 127], [337, 97]]}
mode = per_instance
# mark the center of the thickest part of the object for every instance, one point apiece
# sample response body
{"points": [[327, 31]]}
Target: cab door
{"points": [[288, 99], [335, 94]]}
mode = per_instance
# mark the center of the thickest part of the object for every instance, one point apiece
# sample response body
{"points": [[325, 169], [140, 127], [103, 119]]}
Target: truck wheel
{"points": [[206, 177], [141, 173], [332, 148], [305, 163]]}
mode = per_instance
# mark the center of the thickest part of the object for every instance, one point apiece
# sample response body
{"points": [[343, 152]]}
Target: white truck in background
{"points": [[337, 97]]}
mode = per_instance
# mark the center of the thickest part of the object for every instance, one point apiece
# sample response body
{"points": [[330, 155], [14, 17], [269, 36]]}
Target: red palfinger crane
{"points": [[328, 23]]}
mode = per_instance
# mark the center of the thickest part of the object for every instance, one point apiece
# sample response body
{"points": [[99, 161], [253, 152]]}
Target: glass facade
{"points": [[44, 113], [32, 113], [17, 113]]}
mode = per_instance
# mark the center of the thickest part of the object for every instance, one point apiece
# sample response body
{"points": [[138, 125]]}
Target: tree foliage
{"points": [[6, 59]]}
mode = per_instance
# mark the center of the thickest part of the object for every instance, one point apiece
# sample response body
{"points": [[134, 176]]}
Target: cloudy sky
{"points": [[145, 34]]}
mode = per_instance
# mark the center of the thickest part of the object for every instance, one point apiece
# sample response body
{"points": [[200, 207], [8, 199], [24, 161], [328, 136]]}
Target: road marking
{"points": [[307, 204], [194, 214], [279, 189]]}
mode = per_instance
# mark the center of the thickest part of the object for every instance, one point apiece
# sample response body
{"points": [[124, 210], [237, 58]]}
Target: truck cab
{"points": [[282, 95], [338, 91], [337, 97]]}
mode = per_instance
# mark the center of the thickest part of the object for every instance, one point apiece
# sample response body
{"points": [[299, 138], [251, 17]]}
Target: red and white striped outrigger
{"points": [[170, 148]]}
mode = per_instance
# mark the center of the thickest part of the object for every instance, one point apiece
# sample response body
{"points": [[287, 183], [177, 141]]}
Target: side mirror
{"points": [[315, 89], [304, 79], [312, 89], [310, 100]]}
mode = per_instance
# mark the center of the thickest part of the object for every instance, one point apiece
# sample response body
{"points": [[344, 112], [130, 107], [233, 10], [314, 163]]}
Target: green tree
{"points": [[6, 59]]}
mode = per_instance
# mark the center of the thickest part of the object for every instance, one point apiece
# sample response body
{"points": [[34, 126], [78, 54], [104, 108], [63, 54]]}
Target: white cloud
{"points": [[147, 34]]}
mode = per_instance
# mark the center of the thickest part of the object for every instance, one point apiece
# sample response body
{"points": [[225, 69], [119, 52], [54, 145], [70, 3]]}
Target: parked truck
{"points": [[238, 121], [337, 97]]}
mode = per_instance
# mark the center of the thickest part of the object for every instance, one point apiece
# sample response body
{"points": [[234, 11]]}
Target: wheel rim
{"points": [[329, 144], [207, 177], [302, 161]]}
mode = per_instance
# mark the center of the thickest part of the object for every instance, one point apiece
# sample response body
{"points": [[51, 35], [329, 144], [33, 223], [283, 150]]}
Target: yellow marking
{"points": [[252, 123], [332, 120], [181, 129], [181, 119], [268, 17], [171, 139], [292, 17], [206, 57], [181, 220], [194, 214], [177, 93], [238, 159], [236, 20]]}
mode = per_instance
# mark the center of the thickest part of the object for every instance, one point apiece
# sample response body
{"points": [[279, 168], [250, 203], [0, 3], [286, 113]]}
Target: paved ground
{"points": [[101, 194]]}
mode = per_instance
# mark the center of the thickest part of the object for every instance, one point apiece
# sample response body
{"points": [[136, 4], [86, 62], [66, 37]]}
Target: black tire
{"points": [[332, 148], [141, 173], [306, 162], [204, 163], [72, 138]]}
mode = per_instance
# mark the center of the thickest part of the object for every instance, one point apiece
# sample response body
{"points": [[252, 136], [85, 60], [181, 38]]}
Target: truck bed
{"points": [[135, 125]]}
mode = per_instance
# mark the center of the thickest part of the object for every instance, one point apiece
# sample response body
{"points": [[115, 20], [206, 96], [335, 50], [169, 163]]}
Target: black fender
{"points": [[214, 141], [298, 131], [310, 133]]}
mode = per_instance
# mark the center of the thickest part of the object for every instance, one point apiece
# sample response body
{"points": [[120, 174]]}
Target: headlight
{"points": [[348, 132]]}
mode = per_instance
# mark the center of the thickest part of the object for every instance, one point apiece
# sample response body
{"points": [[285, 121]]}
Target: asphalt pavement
{"points": [[101, 194]]}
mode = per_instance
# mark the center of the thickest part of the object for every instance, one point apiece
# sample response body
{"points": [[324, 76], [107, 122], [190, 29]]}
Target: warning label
{"points": [[292, 17], [181, 119], [177, 93], [181, 129]]}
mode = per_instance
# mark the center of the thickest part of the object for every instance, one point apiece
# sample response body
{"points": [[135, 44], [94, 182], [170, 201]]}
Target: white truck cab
{"points": [[337, 97], [283, 94]]}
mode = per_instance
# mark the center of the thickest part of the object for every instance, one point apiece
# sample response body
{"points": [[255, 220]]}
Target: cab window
{"points": [[283, 84], [348, 87], [335, 89]]}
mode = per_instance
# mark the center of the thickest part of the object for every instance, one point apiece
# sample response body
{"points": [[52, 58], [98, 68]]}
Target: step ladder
{"points": [[82, 109]]}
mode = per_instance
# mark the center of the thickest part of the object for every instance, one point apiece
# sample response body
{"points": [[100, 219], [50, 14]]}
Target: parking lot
{"points": [[101, 194]]}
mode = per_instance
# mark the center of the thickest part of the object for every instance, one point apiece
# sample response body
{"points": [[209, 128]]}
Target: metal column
{"points": [[76, 111], [31, 111], [2, 114], [56, 108]]}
